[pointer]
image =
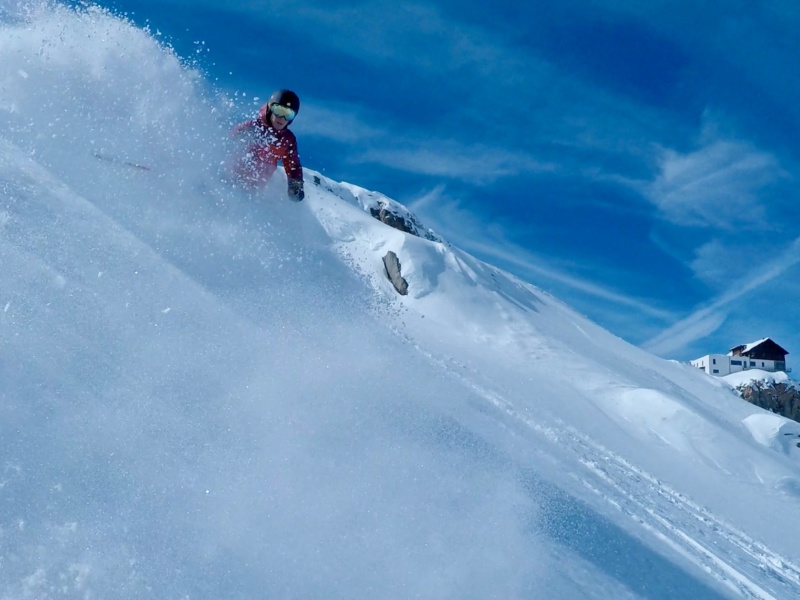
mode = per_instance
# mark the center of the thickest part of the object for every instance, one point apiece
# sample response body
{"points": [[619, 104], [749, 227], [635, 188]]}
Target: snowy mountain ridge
{"points": [[432, 265], [208, 393]]}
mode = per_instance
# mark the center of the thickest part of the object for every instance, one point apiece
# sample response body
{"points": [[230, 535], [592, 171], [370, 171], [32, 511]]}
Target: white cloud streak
{"points": [[708, 319], [716, 186], [473, 163], [339, 122], [488, 241], [377, 141]]}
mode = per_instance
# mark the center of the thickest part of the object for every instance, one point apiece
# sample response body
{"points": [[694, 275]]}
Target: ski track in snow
{"points": [[737, 561], [717, 546]]}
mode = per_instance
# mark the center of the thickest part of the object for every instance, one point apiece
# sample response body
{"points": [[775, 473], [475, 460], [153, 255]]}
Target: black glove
{"points": [[296, 192]]}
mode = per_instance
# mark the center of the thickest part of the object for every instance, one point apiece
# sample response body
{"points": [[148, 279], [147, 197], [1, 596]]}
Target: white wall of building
{"points": [[723, 364], [714, 364]]}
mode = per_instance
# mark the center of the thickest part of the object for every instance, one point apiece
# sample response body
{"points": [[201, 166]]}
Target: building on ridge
{"points": [[763, 354]]}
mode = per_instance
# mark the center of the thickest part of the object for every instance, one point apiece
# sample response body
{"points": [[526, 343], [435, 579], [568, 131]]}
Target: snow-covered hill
{"points": [[205, 394]]}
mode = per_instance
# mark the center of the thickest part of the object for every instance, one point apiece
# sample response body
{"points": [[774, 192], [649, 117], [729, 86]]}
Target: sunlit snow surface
{"points": [[210, 394]]}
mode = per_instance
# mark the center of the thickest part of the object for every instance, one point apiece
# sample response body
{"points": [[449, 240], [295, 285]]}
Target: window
{"points": [[714, 360], [738, 363], [762, 363], [752, 363], [715, 371]]}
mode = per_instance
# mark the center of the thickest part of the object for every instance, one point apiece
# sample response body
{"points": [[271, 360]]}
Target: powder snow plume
{"points": [[209, 393]]}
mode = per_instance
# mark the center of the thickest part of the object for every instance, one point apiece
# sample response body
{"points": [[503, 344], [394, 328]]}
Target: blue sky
{"points": [[636, 159]]}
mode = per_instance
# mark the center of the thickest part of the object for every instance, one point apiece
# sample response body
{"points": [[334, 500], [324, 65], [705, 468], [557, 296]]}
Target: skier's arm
{"points": [[294, 172]]}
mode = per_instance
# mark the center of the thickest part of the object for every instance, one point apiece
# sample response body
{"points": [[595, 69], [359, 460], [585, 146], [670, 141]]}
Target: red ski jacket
{"points": [[265, 147]]}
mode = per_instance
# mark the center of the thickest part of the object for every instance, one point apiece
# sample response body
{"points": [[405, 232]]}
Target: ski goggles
{"points": [[282, 111]]}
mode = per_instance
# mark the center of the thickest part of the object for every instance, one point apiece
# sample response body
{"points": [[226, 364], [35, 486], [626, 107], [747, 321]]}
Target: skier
{"points": [[268, 140]]}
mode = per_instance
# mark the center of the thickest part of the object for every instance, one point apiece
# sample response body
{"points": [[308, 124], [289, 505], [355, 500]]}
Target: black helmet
{"points": [[285, 98]]}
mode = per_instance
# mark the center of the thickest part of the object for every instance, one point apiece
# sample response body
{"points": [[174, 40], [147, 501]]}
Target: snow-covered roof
{"points": [[745, 349], [751, 345]]}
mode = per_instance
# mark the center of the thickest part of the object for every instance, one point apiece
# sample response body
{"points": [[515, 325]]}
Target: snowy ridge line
{"points": [[622, 477]]}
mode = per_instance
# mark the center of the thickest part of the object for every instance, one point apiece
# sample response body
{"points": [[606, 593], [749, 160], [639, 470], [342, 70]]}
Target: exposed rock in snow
{"points": [[386, 210], [774, 392], [780, 398], [392, 264]]}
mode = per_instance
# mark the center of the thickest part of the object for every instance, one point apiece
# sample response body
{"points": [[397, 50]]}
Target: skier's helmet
{"points": [[285, 98]]}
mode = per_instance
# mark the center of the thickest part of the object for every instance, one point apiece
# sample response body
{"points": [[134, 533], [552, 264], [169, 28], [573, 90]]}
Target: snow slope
{"points": [[207, 394]]}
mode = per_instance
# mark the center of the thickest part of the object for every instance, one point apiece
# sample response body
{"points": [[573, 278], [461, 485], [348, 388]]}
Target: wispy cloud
{"points": [[417, 34], [488, 241], [381, 31], [533, 267], [739, 49], [707, 319], [463, 65], [715, 186], [717, 263], [340, 122], [377, 139], [474, 163]]}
